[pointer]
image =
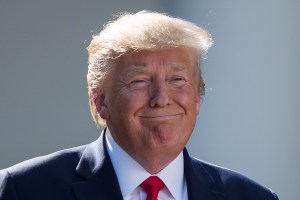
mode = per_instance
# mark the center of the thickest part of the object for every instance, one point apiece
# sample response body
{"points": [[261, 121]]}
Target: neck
{"points": [[153, 160], [154, 163]]}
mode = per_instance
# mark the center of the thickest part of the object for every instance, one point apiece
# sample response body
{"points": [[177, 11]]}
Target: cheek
{"points": [[128, 102], [188, 100]]}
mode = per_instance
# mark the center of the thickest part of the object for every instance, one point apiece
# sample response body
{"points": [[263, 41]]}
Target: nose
{"points": [[159, 94]]}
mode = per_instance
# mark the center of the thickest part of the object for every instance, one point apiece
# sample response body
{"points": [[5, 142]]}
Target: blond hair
{"points": [[144, 30]]}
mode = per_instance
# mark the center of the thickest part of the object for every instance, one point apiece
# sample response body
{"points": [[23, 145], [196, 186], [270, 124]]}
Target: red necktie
{"points": [[152, 186]]}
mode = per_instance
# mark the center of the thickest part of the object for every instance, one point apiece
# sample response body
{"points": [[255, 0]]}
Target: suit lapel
{"points": [[200, 183], [99, 178]]}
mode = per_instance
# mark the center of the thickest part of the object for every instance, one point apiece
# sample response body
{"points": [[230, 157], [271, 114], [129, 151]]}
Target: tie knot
{"points": [[152, 186]]}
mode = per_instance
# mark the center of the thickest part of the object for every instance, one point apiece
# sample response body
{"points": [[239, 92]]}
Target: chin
{"points": [[170, 137]]}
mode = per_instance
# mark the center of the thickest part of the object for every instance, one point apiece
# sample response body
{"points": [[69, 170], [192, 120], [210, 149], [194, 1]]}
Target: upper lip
{"points": [[160, 116]]}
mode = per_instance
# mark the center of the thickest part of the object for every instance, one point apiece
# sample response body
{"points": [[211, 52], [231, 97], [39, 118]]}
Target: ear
{"points": [[198, 97], [198, 101], [99, 99]]}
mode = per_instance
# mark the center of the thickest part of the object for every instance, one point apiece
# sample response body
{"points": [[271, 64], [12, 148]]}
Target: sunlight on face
{"points": [[152, 101]]}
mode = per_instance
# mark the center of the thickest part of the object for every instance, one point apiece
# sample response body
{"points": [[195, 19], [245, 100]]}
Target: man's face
{"points": [[151, 102]]}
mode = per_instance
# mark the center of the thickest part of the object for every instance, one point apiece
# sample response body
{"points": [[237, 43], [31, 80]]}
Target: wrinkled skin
{"points": [[150, 103]]}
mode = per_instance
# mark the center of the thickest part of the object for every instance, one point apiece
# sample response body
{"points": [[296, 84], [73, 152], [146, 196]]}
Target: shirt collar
{"points": [[126, 168]]}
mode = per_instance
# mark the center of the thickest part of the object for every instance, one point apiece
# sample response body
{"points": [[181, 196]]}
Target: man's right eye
{"points": [[138, 84]]}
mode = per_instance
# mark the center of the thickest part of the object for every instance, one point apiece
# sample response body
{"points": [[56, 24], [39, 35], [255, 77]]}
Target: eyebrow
{"points": [[177, 67], [137, 70], [141, 69]]}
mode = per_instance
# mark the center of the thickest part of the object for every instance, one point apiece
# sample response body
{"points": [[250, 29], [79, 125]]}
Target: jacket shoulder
{"points": [[236, 185], [64, 158], [35, 177]]}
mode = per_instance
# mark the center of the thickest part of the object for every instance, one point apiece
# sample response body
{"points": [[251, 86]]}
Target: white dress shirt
{"points": [[131, 174]]}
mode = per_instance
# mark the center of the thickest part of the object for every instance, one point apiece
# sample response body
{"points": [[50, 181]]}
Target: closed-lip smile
{"points": [[165, 116]]}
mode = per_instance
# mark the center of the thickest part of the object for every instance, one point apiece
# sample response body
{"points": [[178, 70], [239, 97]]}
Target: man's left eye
{"points": [[178, 81]]}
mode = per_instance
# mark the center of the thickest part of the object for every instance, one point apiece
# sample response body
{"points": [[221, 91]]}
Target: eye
{"points": [[178, 81], [139, 84]]}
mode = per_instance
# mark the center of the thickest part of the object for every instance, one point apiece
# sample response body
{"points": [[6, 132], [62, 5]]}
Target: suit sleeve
{"points": [[7, 187]]}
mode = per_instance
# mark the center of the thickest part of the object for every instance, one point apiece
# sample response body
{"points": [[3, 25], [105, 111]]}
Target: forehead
{"points": [[180, 58]]}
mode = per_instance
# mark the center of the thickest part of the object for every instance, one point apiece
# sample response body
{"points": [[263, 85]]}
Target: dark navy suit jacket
{"points": [[86, 173]]}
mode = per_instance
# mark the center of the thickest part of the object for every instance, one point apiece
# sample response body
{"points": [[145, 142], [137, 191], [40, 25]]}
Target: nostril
{"points": [[160, 98]]}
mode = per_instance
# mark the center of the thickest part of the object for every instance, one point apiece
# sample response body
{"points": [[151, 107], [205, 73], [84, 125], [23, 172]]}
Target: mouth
{"points": [[161, 117]]}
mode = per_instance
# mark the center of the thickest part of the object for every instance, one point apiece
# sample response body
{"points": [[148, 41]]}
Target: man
{"points": [[144, 84]]}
